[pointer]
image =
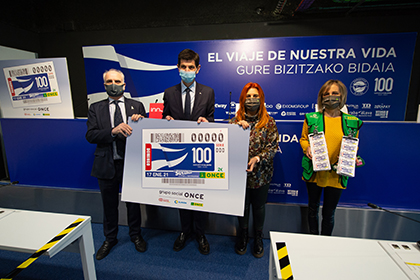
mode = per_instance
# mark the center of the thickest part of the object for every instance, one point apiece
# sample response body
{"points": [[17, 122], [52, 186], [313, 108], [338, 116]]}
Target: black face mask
{"points": [[252, 104], [331, 102], [114, 90]]}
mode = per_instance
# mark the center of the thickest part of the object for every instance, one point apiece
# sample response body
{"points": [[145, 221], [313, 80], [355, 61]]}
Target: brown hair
{"points": [[325, 87]]}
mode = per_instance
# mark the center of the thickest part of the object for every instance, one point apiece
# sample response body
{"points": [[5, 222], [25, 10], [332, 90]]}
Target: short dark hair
{"points": [[188, 54]]}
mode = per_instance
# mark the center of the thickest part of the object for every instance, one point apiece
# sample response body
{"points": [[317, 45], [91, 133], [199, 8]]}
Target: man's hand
{"points": [[136, 117], [202, 119], [123, 129], [169, 118]]}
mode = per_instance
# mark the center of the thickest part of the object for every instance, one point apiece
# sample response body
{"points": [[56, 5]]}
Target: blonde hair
{"points": [[325, 87]]}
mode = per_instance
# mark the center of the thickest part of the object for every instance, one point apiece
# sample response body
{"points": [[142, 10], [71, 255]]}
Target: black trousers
{"points": [[110, 190], [193, 221], [331, 198], [258, 199]]}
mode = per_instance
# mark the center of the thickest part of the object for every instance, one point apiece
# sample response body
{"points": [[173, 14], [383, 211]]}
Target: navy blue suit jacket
{"points": [[203, 103], [99, 133]]}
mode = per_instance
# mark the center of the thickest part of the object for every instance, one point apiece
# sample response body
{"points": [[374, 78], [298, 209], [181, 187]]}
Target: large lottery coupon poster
{"points": [[32, 84], [35, 88], [182, 164]]}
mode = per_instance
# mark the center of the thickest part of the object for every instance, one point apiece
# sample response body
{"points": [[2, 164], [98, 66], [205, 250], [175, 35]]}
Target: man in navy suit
{"points": [[190, 101], [107, 128]]}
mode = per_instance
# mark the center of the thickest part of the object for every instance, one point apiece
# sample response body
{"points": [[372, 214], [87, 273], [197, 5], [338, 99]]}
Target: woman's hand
{"points": [[244, 124], [309, 152], [252, 162]]}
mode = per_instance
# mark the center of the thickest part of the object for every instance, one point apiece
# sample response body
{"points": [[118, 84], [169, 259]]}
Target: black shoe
{"points": [[258, 251], [105, 249], [203, 245], [180, 242], [140, 244], [241, 242]]}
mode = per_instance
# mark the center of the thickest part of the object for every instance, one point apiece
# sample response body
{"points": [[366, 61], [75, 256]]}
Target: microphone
{"points": [[230, 100], [156, 100], [374, 206], [230, 105]]}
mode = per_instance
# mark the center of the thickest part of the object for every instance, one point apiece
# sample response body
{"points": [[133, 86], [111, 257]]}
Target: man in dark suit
{"points": [[107, 128], [191, 101]]}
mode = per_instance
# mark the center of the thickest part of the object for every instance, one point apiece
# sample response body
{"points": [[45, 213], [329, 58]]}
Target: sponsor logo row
{"points": [[278, 106], [368, 106], [180, 202], [181, 198], [358, 110], [282, 189]]}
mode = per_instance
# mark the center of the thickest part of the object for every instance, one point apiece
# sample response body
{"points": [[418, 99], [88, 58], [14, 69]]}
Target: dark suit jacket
{"points": [[99, 132], [203, 103]]}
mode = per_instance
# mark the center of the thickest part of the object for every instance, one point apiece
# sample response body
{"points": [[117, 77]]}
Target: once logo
{"points": [[194, 195]]}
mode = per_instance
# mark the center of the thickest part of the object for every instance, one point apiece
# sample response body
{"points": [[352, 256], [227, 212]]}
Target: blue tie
{"points": [[187, 107]]}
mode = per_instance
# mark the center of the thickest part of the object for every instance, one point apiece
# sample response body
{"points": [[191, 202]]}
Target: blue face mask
{"points": [[187, 77]]}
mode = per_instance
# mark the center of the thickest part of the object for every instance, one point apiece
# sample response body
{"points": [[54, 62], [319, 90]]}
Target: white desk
{"points": [[325, 257], [27, 231]]}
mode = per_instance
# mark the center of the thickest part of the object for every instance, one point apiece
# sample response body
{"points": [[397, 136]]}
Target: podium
{"points": [[28, 231], [326, 257]]}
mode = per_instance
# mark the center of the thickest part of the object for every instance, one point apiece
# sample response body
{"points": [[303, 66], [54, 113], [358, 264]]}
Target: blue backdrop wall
{"points": [[376, 69], [55, 153]]}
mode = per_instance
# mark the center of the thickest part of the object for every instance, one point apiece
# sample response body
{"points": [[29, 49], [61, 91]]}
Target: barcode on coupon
{"points": [[18, 72], [167, 137], [182, 181], [36, 100]]}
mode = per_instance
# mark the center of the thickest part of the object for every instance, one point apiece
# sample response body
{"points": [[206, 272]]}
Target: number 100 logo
{"points": [[382, 84], [201, 155], [42, 82]]}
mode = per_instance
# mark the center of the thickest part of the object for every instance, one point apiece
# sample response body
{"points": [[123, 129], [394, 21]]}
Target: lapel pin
{"points": [[132, 108]]}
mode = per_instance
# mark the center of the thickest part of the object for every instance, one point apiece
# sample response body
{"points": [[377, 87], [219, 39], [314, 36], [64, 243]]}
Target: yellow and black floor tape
{"points": [[42, 250], [285, 268]]}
